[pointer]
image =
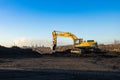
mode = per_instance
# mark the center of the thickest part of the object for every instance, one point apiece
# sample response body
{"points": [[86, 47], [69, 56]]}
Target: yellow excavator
{"points": [[79, 46]]}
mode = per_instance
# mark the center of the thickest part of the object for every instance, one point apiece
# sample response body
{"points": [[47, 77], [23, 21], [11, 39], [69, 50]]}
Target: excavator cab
{"points": [[78, 41]]}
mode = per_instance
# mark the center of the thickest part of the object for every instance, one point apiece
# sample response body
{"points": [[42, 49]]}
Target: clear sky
{"points": [[22, 20]]}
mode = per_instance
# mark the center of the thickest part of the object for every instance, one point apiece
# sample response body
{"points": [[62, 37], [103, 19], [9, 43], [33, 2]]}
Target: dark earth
{"points": [[25, 64]]}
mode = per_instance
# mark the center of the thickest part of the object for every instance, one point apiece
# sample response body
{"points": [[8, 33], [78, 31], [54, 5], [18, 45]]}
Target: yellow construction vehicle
{"points": [[79, 46]]}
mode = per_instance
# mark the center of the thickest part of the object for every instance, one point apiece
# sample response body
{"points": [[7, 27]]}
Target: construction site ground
{"points": [[59, 67]]}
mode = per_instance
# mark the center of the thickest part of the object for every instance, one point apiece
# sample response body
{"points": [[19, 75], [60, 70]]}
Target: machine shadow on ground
{"points": [[57, 74]]}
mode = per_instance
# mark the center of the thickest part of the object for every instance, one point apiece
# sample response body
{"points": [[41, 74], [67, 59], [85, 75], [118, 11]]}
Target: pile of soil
{"points": [[16, 52], [43, 50]]}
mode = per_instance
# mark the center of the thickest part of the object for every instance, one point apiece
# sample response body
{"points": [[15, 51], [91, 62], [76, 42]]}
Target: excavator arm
{"points": [[64, 34]]}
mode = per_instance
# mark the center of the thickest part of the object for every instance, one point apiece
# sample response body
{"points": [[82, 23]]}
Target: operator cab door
{"points": [[77, 41]]}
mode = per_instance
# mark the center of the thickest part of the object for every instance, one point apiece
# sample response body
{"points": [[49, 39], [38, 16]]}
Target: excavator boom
{"points": [[64, 34]]}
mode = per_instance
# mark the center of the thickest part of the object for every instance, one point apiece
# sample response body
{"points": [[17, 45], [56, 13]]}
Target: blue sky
{"points": [[36, 19]]}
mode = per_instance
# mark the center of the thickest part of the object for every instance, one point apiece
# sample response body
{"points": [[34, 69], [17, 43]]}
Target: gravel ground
{"points": [[60, 68]]}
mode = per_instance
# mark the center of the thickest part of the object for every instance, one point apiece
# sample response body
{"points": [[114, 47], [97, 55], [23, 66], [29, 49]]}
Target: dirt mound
{"points": [[64, 51], [16, 52], [43, 50], [110, 47]]}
